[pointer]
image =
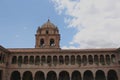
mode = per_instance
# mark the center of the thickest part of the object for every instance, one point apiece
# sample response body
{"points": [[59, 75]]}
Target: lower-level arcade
{"points": [[65, 75], [0, 74]]}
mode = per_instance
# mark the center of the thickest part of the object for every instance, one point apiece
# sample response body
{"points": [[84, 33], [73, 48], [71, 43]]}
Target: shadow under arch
{"points": [[100, 75], [64, 75], [27, 75], [15, 75], [51, 75], [76, 75], [39, 75], [112, 75], [88, 75]]}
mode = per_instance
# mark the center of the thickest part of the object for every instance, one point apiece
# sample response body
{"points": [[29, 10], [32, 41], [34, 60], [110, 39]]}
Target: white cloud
{"points": [[97, 21]]}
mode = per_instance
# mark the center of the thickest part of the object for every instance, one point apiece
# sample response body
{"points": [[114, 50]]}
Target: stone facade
{"points": [[47, 61]]}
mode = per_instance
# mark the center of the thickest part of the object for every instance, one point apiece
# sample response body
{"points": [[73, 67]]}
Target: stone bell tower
{"points": [[47, 36]]}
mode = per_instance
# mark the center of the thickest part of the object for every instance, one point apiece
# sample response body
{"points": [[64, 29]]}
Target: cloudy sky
{"points": [[82, 23]]}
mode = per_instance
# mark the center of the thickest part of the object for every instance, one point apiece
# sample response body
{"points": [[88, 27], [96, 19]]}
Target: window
{"points": [[47, 31], [42, 42], [52, 42]]}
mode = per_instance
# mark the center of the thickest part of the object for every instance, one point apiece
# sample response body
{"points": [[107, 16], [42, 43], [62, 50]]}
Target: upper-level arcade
{"points": [[47, 36]]}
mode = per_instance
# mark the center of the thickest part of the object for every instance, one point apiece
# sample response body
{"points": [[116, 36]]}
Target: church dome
{"points": [[48, 25]]}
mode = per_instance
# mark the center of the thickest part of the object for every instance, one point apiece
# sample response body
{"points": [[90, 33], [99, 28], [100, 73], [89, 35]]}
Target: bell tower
{"points": [[47, 36]]}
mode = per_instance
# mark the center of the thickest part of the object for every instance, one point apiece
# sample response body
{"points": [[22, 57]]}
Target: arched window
{"points": [[96, 60], [66, 60], [49, 60], [108, 59], [55, 60], [90, 59], [3, 58], [47, 32], [37, 60], [84, 60], [14, 60], [113, 58], [78, 59], [52, 42], [0, 58], [61, 60], [26, 60], [102, 60], [72, 59], [20, 60], [43, 60], [31, 59], [42, 42]]}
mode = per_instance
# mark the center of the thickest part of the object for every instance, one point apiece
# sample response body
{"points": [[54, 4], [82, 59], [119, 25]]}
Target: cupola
{"points": [[47, 36]]}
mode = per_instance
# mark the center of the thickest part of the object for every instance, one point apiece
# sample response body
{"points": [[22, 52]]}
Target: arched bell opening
{"points": [[42, 43], [52, 42]]}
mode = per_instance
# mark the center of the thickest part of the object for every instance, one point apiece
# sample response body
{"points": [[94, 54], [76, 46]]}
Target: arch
{"points": [[72, 59], [84, 60], [90, 59], [37, 60], [49, 60], [78, 59], [14, 60], [76, 75], [47, 31], [27, 75], [112, 75], [25, 59], [51, 75], [55, 60], [113, 58], [100, 75], [52, 42], [31, 60], [20, 60], [108, 59], [66, 59], [1, 73], [15, 76], [64, 75], [61, 60], [42, 43], [96, 60], [43, 60], [102, 60], [0, 57], [39, 75], [88, 75]]}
